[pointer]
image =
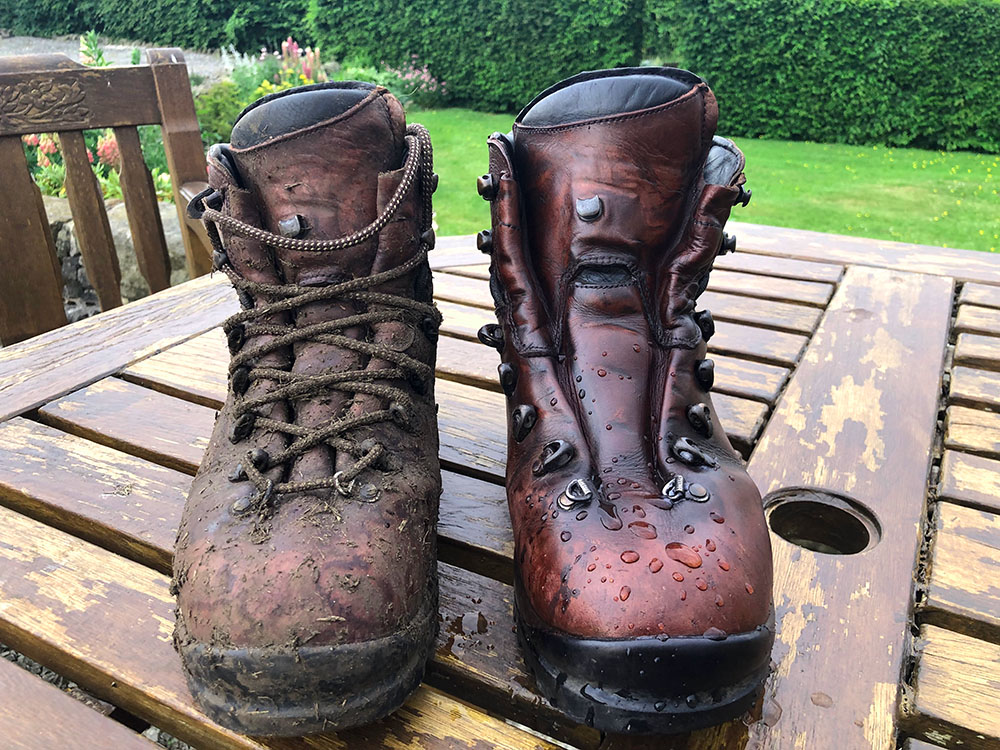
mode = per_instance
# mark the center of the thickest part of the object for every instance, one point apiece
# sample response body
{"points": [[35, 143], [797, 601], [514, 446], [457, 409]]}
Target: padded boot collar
{"points": [[604, 93]]}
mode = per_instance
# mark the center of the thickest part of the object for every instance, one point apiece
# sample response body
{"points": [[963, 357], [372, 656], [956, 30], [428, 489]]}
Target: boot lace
{"points": [[291, 386]]}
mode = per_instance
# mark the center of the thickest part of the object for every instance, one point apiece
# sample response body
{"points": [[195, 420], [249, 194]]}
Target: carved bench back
{"points": [[53, 94]]}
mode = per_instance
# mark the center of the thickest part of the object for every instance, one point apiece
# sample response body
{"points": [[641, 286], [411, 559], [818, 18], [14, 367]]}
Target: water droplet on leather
{"points": [[701, 585], [683, 554], [614, 495], [655, 566], [636, 348], [553, 402], [691, 701], [719, 602], [642, 529], [710, 545], [592, 567], [630, 556], [625, 593], [602, 373], [582, 393], [604, 579], [724, 565], [659, 705], [684, 595], [581, 515], [715, 634], [609, 517], [579, 378], [545, 516], [716, 517], [607, 427], [639, 511], [678, 577], [689, 529], [566, 536]]}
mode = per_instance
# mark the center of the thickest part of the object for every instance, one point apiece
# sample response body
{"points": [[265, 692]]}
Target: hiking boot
{"points": [[305, 567], [643, 563]]}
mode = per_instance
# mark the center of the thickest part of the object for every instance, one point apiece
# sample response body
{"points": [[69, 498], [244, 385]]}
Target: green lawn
{"points": [[910, 195]]}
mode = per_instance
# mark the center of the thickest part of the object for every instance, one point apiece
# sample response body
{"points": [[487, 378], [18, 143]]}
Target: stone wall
{"points": [[78, 294]]}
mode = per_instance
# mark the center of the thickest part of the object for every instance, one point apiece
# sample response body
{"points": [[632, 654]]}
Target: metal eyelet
{"points": [[704, 372], [700, 417], [488, 186], [577, 492], [555, 455], [491, 334], [484, 242], [522, 420], [235, 338], [341, 488]]}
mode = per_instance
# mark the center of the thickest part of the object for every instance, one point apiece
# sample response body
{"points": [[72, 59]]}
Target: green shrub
{"points": [[903, 72], [492, 56], [217, 108]]}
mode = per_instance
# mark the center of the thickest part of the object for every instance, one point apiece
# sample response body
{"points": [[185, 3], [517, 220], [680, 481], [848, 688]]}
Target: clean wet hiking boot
{"points": [[642, 559], [305, 566]]}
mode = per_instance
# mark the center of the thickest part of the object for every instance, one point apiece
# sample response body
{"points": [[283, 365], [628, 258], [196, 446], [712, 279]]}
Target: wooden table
{"points": [[866, 369]]}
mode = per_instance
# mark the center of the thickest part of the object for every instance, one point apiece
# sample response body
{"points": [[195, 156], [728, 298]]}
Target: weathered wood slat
{"points": [[979, 294], [78, 486], [846, 429], [31, 284], [48, 366], [196, 370], [735, 282], [782, 268], [955, 701], [774, 347], [972, 431], [78, 98], [181, 142], [168, 431], [781, 316], [106, 623], [35, 714], [144, 220], [977, 388], [976, 319], [962, 265], [963, 586], [970, 480], [457, 359], [974, 350], [912, 744], [90, 221]]}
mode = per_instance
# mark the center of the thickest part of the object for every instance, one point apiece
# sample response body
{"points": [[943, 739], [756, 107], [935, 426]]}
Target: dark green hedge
{"points": [[491, 54], [905, 72]]}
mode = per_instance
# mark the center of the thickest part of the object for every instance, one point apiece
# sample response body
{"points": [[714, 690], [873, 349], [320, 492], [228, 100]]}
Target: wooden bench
{"points": [[51, 93], [830, 359]]}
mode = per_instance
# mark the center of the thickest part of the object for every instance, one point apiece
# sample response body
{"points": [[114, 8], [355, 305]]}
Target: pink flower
{"points": [[30, 140], [43, 161], [107, 151], [90, 156], [47, 144]]}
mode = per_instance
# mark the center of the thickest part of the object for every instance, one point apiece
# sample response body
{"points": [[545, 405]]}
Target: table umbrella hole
{"points": [[822, 521]]}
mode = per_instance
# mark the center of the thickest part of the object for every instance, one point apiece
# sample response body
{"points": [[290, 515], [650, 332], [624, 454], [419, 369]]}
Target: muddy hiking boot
{"points": [[643, 564], [305, 563]]}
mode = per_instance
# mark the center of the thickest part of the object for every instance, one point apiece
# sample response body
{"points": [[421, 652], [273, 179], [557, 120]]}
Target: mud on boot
{"points": [[643, 563], [305, 566]]}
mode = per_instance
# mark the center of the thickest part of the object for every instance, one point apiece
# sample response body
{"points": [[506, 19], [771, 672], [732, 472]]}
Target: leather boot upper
{"points": [[271, 552], [631, 512]]}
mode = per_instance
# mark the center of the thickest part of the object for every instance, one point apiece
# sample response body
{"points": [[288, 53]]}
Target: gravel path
{"points": [[207, 66]]}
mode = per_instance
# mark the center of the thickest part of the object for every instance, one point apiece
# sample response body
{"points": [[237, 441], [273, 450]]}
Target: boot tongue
{"points": [[606, 162], [311, 158]]}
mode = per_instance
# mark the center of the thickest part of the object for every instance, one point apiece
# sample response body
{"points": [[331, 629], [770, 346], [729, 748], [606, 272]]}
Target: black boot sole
{"points": [[648, 684], [273, 692]]}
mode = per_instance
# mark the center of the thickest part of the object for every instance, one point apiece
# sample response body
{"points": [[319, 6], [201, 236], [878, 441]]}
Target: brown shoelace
{"points": [[291, 386]]}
